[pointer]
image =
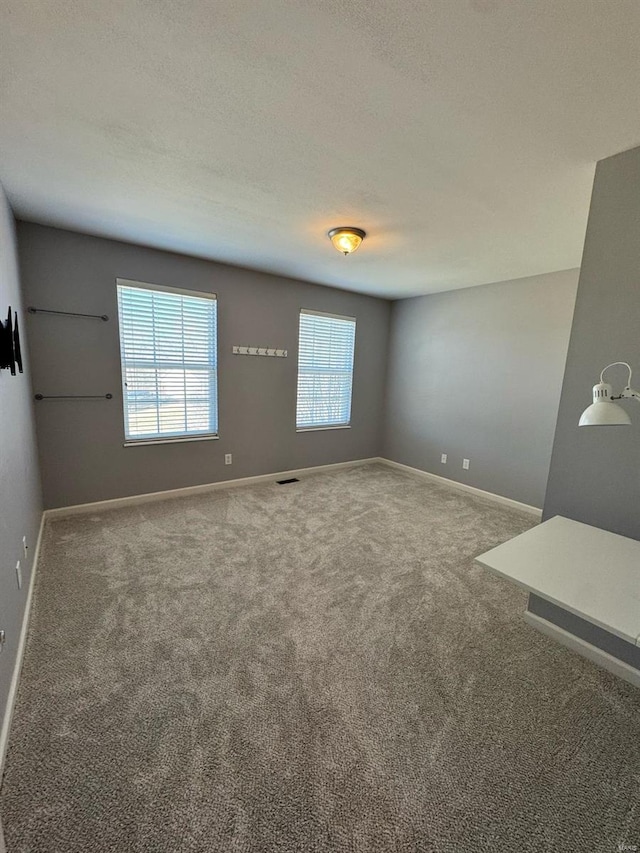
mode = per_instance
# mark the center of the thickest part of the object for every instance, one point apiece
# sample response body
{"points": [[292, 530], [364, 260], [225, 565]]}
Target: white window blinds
{"points": [[169, 362], [325, 370]]}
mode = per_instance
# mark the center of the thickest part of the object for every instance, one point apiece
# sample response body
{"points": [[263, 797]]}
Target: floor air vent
{"points": [[284, 482]]}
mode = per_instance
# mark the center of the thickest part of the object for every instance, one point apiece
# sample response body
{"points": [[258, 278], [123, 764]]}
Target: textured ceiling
{"points": [[461, 134]]}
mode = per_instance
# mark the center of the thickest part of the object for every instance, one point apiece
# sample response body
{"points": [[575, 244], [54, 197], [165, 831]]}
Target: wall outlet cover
{"points": [[228, 458], [465, 464], [443, 458]]}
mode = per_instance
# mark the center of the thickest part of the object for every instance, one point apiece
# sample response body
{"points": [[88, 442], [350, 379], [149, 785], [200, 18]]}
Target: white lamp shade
{"points": [[604, 413]]}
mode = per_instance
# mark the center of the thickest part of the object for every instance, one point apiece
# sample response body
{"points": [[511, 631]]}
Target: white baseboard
{"points": [[17, 669], [130, 500], [463, 487], [576, 644]]}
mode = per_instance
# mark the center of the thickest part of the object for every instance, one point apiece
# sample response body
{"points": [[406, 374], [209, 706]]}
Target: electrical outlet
{"points": [[25, 547], [443, 458], [19, 574], [465, 464], [228, 458]]}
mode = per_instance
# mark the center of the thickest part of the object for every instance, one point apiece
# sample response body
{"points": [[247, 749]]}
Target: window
{"points": [[325, 370], [169, 362]]}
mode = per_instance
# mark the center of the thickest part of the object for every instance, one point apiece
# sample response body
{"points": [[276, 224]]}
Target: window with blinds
{"points": [[168, 351], [325, 370]]}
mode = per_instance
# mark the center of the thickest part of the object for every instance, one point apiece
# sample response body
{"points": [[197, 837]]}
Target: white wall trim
{"points": [[15, 678], [463, 487], [130, 500], [577, 644]]}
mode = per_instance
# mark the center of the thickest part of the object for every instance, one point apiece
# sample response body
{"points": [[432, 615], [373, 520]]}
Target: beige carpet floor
{"points": [[312, 667]]}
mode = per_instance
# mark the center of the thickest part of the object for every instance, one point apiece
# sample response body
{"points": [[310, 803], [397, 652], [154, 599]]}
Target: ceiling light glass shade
{"points": [[603, 412], [346, 239]]}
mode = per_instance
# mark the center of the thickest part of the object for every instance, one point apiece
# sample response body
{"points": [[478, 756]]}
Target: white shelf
{"points": [[587, 571]]}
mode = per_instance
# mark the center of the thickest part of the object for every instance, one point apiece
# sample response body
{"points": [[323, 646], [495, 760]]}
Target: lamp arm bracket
{"points": [[627, 394]]}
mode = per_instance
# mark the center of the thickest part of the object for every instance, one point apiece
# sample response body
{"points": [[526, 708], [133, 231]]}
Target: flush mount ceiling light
{"points": [[346, 239], [603, 411]]}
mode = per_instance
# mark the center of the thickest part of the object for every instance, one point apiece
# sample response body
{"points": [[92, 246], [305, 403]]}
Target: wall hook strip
{"points": [[270, 352], [33, 310], [74, 396]]}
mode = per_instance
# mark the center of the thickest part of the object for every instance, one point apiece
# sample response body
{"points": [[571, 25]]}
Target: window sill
{"points": [[319, 428], [178, 440]]}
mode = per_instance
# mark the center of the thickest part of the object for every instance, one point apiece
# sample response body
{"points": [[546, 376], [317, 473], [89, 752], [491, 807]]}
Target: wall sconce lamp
{"points": [[603, 411]]}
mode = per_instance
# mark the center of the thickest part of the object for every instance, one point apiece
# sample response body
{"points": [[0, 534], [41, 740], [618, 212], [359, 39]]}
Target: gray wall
{"points": [[80, 442], [595, 472], [587, 631], [20, 501], [476, 373]]}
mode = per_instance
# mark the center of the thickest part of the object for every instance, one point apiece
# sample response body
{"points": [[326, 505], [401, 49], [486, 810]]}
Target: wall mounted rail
{"points": [[33, 310], [73, 397]]}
